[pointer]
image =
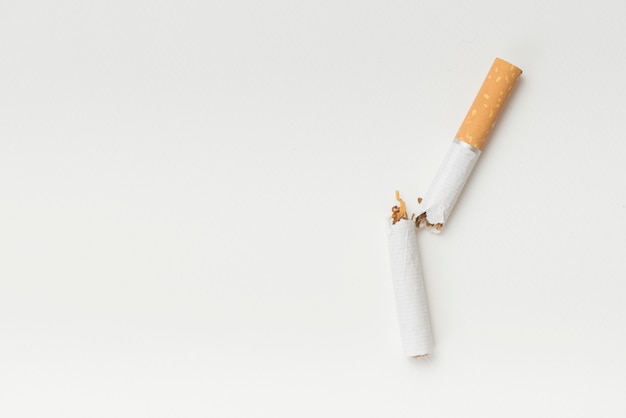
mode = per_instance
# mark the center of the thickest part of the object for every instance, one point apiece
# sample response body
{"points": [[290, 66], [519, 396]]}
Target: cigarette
{"points": [[408, 283], [437, 204]]}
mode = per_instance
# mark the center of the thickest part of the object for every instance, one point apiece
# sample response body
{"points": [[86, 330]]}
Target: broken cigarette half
{"points": [[457, 165], [408, 284]]}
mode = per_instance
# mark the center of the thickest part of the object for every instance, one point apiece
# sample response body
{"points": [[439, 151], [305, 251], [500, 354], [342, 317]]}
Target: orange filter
{"points": [[488, 103]]}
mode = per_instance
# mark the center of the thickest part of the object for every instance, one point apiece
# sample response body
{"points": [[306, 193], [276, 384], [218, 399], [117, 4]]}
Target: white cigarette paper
{"points": [[448, 183], [408, 283]]}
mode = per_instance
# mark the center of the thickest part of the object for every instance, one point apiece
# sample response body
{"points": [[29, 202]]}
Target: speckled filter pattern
{"points": [[489, 102]]}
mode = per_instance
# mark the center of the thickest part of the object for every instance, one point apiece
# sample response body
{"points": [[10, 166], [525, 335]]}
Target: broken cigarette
{"points": [[408, 283], [457, 165]]}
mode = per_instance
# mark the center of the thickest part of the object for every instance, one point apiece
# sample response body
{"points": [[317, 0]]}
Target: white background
{"points": [[192, 198]]}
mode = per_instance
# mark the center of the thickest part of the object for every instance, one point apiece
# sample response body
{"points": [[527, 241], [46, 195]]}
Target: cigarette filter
{"points": [[457, 165], [408, 283]]}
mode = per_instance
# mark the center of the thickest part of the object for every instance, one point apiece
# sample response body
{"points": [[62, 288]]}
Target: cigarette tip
{"points": [[420, 356]]}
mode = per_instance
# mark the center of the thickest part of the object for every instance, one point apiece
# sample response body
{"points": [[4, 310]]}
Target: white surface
{"points": [[448, 183], [191, 195], [411, 300]]}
